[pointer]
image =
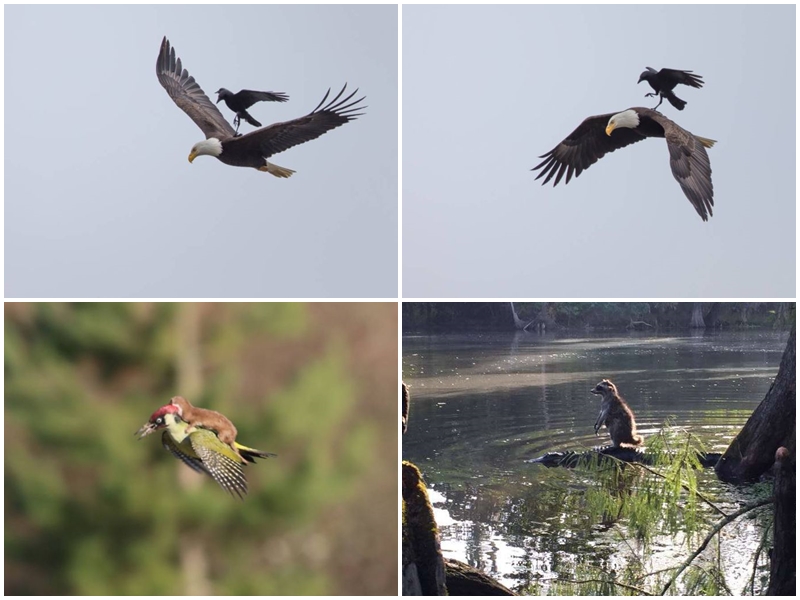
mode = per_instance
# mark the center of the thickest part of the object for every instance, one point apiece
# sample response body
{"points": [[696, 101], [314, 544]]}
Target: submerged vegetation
{"points": [[659, 504]]}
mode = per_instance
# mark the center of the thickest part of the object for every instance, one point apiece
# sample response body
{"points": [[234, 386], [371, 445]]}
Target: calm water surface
{"points": [[483, 404]]}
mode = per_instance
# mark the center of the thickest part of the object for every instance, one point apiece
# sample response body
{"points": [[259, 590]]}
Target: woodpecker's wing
{"points": [[219, 461], [193, 461]]}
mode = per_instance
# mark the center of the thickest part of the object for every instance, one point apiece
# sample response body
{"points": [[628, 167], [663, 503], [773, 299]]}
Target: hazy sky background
{"points": [[100, 199], [486, 90]]}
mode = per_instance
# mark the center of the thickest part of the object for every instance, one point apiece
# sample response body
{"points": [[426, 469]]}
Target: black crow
{"points": [[240, 102], [665, 80]]}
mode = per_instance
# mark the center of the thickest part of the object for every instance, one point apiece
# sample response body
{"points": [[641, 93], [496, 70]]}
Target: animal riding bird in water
{"points": [[601, 134], [252, 149], [244, 99], [665, 80]]}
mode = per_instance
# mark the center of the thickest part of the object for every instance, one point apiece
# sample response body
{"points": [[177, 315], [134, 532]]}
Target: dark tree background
{"points": [[471, 316]]}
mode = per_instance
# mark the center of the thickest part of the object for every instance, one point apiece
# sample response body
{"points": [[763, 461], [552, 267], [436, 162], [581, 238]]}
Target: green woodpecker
{"points": [[207, 419], [202, 450]]}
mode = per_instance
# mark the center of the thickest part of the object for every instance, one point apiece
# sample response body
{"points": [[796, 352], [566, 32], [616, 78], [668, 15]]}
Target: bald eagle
{"points": [[665, 80], [253, 149], [601, 134], [244, 99]]}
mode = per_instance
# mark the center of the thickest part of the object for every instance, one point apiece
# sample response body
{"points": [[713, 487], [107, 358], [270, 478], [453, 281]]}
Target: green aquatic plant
{"points": [[659, 502]]}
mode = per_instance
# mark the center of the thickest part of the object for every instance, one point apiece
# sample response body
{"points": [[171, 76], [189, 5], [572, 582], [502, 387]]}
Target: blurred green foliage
{"points": [[91, 510]]}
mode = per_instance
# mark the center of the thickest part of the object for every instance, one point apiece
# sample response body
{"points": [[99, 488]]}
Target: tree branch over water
{"points": [[714, 530]]}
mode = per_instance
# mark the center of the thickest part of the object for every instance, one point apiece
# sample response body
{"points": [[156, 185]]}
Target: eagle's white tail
{"points": [[276, 170], [705, 141]]}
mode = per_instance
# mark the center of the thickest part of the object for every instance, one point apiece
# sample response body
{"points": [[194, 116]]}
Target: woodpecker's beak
{"points": [[146, 429]]}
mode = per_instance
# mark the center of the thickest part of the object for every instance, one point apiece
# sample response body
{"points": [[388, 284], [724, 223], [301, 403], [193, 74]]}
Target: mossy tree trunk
{"points": [[423, 564]]}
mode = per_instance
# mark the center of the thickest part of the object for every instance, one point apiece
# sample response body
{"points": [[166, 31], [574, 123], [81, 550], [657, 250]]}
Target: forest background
{"points": [[90, 510], [647, 316]]}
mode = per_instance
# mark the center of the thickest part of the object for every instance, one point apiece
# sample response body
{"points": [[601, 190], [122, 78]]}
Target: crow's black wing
{"points": [[246, 98], [672, 77]]}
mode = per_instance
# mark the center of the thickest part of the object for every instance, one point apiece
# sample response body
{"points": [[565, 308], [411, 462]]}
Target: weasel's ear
{"points": [[174, 401]]}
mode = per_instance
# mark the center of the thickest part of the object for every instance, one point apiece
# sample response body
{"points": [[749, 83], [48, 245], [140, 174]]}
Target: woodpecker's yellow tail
{"points": [[250, 454]]}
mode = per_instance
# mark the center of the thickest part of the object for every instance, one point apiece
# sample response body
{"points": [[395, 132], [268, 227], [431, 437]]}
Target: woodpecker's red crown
{"points": [[157, 420], [159, 414]]}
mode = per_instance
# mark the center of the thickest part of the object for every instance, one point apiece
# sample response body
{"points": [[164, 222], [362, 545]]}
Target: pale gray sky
{"points": [[487, 89], [100, 200]]}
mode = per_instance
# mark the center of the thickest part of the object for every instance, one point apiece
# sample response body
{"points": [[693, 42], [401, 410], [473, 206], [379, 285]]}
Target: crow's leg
{"points": [[650, 95], [236, 122], [661, 99]]}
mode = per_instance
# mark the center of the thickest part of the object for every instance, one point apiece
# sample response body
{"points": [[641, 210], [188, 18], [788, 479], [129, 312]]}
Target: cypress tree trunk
{"points": [[697, 316], [782, 576], [712, 315], [771, 426], [544, 320]]}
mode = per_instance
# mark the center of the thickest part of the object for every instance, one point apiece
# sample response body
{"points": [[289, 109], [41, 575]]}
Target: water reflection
{"points": [[482, 404]]}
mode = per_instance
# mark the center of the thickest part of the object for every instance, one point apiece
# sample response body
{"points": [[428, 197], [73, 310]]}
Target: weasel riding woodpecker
{"points": [[207, 419], [202, 450]]}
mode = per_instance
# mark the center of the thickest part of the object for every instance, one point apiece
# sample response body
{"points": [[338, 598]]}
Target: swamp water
{"points": [[484, 404]]}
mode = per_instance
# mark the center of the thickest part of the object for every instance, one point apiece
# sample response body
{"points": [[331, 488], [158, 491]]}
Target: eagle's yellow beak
{"points": [[610, 128], [192, 155]]}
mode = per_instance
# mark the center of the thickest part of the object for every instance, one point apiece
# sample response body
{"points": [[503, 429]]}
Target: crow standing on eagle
{"points": [[665, 80], [241, 101], [254, 148]]}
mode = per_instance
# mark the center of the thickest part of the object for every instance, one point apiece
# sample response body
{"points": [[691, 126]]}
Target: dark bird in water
{"points": [[241, 101], [665, 80], [254, 148], [601, 134]]}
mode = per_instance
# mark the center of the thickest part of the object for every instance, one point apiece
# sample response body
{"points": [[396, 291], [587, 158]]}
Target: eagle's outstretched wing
{"points": [[189, 96]]}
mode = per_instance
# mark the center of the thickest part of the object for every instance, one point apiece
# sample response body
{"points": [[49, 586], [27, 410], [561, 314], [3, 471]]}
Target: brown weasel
{"points": [[616, 415], [207, 419]]}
